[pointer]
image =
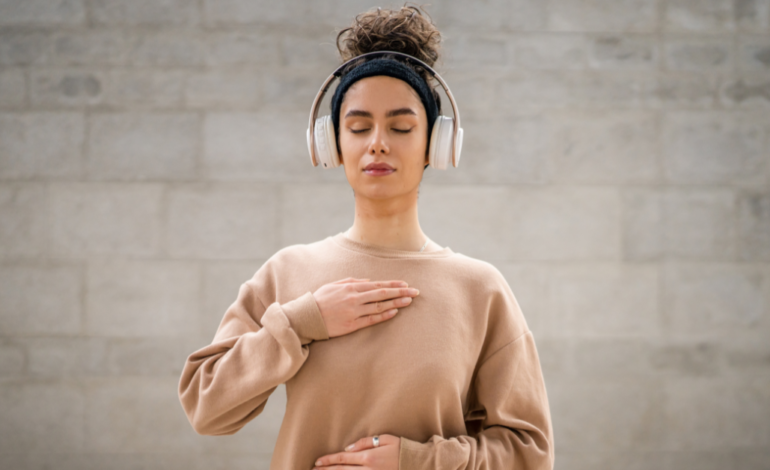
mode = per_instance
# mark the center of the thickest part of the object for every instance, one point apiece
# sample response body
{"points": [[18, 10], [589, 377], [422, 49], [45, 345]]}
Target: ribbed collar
{"points": [[382, 252]]}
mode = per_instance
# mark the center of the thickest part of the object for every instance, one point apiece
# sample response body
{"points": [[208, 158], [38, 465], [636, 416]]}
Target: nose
{"points": [[378, 144]]}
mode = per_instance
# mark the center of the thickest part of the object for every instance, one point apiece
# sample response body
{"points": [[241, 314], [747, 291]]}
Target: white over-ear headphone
{"points": [[446, 138]]}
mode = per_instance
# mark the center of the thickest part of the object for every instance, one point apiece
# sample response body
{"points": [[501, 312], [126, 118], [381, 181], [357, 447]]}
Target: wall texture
{"points": [[616, 169]]}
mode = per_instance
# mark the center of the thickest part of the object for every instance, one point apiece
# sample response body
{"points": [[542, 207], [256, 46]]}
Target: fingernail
{"points": [[318, 463], [350, 446], [403, 284], [414, 291]]}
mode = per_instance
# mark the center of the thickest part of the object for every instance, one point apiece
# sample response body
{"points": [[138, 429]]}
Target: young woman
{"points": [[396, 353]]}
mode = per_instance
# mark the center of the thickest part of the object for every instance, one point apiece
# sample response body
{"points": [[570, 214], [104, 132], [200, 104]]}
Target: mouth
{"points": [[378, 169]]}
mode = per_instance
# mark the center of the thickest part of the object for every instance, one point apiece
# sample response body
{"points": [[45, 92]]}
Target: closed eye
{"points": [[402, 131]]}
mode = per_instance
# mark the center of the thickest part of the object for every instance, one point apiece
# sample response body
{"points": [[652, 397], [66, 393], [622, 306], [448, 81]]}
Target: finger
{"points": [[368, 320], [361, 444], [368, 443], [394, 298], [341, 458], [350, 279], [377, 308], [367, 286], [384, 293]]}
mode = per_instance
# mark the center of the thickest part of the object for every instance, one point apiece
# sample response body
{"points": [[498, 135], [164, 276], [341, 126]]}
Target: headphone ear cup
{"points": [[459, 149], [440, 155], [326, 142]]}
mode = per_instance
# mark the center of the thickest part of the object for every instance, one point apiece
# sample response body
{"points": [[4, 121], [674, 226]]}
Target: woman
{"points": [[396, 353]]}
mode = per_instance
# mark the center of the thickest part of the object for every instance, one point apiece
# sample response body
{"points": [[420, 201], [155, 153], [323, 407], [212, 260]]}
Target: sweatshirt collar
{"points": [[382, 252]]}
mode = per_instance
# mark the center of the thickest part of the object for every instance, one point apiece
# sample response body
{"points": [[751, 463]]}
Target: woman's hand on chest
{"points": [[350, 304]]}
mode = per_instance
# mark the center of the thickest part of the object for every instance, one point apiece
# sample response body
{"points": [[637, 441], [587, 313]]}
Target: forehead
{"points": [[381, 93]]}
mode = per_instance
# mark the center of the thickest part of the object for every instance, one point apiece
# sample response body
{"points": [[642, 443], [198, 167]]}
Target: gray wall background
{"points": [[616, 169]]}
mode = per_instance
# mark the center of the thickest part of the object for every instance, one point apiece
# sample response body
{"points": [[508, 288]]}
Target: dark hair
{"points": [[407, 30]]}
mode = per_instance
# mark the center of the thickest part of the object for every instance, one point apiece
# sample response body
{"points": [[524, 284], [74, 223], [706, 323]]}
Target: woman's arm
{"points": [[256, 348], [509, 419]]}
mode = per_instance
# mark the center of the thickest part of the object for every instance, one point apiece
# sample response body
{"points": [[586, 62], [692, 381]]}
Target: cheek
{"points": [[348, 144], [417, 145]]}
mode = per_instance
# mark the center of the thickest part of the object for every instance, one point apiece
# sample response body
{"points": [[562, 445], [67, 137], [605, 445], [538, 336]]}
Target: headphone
{"points": [[446, 138]]}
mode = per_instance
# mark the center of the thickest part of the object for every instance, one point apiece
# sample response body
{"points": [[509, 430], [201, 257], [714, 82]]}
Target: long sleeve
{"points": [[256, 348], [508, 420]]}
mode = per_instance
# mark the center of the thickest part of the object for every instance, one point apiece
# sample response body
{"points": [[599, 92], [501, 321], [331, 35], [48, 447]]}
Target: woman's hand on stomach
{"points": [[362, 453]]}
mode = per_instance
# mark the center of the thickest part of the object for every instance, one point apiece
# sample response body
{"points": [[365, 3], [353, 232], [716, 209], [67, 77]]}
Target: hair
{"points": [[407, 30]]}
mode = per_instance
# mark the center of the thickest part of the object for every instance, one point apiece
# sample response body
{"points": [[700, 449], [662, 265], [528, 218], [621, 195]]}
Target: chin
{"points": [[382, 190], [376, 191]]}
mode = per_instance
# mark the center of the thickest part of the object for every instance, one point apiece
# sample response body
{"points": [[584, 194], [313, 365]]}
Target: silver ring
{"points": [[376, 441]]}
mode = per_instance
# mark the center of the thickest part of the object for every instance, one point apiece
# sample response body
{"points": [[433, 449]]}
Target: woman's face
{"points": [[382, 120]]}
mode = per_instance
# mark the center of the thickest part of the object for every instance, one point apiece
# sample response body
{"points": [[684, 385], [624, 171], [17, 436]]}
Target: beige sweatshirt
{"points": [[455, 374]]}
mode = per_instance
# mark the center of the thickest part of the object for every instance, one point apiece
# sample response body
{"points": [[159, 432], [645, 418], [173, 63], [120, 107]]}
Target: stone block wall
{"points": [[616, 169]]}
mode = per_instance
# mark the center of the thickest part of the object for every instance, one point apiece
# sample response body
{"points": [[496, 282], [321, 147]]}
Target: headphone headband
{"points": [[327, 83]]}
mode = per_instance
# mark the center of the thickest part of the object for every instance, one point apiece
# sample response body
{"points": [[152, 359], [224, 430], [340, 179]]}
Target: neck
{"points": [[391, 223]]}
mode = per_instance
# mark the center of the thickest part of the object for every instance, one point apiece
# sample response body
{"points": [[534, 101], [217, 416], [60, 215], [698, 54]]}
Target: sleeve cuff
{"points": [[413, 455], [305, 318]]}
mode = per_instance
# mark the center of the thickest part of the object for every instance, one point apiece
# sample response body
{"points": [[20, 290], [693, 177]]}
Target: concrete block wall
{"points": [[616, 169]]}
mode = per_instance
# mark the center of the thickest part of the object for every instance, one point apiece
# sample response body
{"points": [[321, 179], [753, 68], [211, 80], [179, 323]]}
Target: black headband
{"points": [[390, 68]]}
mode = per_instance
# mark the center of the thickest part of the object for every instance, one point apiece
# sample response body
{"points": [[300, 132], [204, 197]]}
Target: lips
{"points": [[378, 169], [378, 166]]}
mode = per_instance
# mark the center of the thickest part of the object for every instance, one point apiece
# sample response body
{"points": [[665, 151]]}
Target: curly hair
{"points": [[407, 30]]}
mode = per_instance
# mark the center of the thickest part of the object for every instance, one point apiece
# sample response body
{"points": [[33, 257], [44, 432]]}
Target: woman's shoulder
{"points": [[300, 252], [289, 263], [479, 269], [293, 257], [489, 287]]}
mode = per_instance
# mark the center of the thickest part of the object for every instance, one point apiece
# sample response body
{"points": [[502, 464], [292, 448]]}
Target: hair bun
{"points": [[405, 30]]}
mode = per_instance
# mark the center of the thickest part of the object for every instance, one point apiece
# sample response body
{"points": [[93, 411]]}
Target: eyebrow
{"points": [[391, 113]]}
